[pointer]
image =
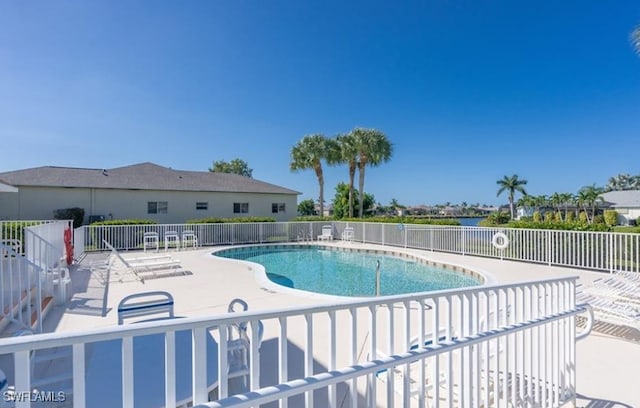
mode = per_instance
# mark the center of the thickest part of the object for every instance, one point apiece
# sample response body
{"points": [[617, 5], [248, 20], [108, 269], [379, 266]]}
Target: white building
{"points": [[626, 203], [141, 191]]}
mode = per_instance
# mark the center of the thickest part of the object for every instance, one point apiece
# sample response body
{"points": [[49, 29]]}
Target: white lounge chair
{"points": [[327, 233], [612, 311], [137, 266]]}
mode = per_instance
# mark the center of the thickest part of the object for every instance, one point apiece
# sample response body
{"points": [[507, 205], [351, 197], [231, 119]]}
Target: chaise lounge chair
{"points": [[142, 267]]}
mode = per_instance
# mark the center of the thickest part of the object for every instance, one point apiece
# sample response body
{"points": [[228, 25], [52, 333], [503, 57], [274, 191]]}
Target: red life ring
{"points": [[68, 245]]}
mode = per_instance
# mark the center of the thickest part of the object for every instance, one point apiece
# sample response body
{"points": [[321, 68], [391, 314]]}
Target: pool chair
{"points": [[327, 233], [141, 268], [145, 304], [609, 310], [239, 348], [397, 372], [348, 234]]}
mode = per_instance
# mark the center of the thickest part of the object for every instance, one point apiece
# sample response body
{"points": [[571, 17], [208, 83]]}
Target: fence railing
{"points": [[30, 271], [607, 251], [504, 345]]}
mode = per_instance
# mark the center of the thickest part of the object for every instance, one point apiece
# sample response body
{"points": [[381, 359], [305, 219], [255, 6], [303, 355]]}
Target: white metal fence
{"points": [[30, 270], [506, 345], [607, 251]]}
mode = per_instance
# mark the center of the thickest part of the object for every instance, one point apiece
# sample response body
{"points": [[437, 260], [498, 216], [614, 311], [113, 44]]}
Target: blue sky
{"points": [[467, 91]]}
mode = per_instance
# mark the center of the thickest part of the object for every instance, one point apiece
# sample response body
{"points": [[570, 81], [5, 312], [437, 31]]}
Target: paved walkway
{"points": [[607, 361]]}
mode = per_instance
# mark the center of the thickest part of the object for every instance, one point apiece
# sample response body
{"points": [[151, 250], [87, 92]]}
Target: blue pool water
{"points": [[343, 273]]}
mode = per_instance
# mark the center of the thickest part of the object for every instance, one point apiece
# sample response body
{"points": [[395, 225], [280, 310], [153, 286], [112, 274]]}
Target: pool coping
{"points": [[260, 273]]}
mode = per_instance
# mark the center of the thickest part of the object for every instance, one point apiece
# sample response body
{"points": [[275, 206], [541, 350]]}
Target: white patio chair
{"points": [[189, 239], [347, 234], [327, 233], [171, 239], [145, 304], [239, 345], [150, 240]]}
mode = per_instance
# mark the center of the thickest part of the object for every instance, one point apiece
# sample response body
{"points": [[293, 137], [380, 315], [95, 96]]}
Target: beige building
{"points": [[142, 191]]}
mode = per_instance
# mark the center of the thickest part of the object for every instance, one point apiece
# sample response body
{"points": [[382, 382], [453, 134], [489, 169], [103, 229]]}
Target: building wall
{"points": [[40, 202], [627, 214]]}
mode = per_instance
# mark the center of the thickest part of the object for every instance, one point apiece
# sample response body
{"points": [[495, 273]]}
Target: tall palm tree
{"points": [[589, 196], [309, 153], [373, 149], [565, 200], [635, 39], [512, 185], [348, 144], [556, 201]]}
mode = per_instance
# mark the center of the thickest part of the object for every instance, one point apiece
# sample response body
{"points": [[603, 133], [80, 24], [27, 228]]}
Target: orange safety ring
{"points": [[68, 245]]}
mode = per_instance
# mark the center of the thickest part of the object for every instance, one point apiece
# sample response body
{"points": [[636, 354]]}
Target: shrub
{"points": [[216, 220], [124, 222], [571, 217], [611, 217], [76, 214], [582, 217], [406, 220], [549, 217], [557, 217], [313, 218], [598, 219], [568, 226], [496, 218], [537, 217]]}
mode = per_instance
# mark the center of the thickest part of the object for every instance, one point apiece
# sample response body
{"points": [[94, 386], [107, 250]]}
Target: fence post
{"points": [[549, 247]]}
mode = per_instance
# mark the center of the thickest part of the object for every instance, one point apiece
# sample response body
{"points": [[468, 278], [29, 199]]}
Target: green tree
{"points": [[309, 153], [512, 185], [341, 201], [348, 144], [306, 207], [373, 149], [235, 166]]}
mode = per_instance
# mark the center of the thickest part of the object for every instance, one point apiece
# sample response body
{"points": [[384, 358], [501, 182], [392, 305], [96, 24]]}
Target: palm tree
{"points": [[373, 149], [635, 39], [589, 197], [556, 201], [511, 184], [526, 202], [308, 153], [349, 155], [565, 200]]}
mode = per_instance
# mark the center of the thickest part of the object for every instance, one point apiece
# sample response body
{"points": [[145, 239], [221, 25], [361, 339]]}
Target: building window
{"points": [[241, 208], [278, 208], [157, 207], [202, 206]]}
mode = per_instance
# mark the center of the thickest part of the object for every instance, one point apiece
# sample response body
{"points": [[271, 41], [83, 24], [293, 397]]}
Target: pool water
{"points": [[342, 273]]}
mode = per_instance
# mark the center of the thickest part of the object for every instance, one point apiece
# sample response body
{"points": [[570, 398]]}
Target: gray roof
{"points": [[6, 188], [143, 176], [623, 199]]}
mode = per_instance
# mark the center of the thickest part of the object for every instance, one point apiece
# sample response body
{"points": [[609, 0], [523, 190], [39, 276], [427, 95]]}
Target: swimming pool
{"points": [[332, 271]]}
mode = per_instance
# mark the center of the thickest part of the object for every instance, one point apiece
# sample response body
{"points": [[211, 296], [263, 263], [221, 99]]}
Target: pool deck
{"points": [[607, 360]]}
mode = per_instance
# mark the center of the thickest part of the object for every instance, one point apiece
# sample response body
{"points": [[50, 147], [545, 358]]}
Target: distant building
{"points": [[626, 203], [141, 191]]}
